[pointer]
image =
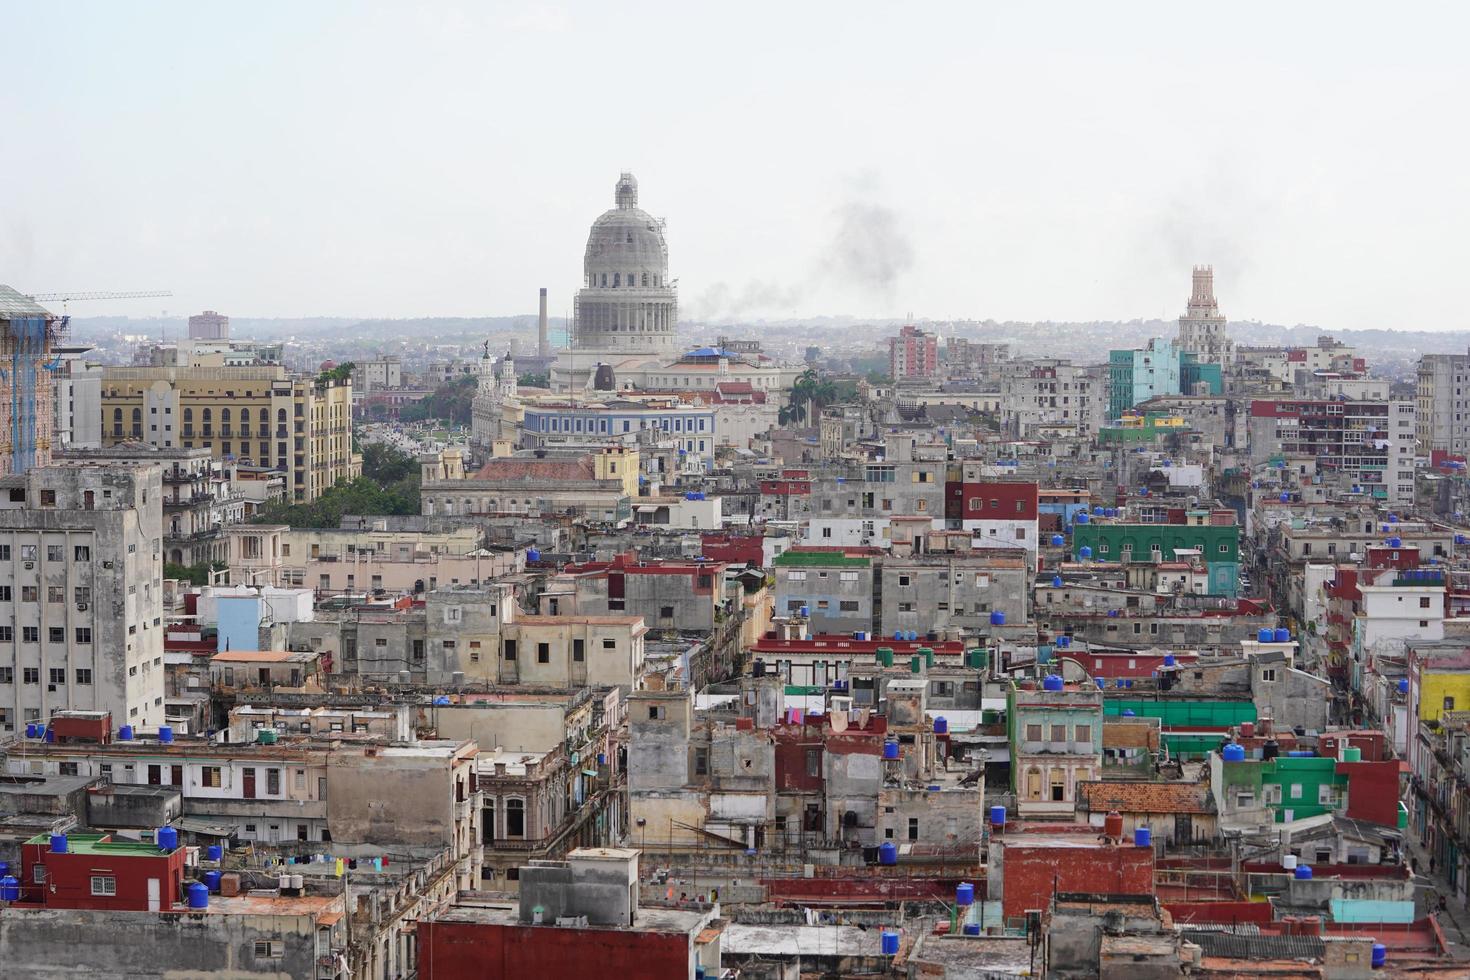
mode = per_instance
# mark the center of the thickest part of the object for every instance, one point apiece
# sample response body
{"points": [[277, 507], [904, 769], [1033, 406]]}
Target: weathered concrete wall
{"points": [[515, 726], [403, 799], [43, 944]]}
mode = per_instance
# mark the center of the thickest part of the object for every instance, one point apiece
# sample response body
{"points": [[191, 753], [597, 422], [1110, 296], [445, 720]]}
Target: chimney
{"points": [[543, 339]]}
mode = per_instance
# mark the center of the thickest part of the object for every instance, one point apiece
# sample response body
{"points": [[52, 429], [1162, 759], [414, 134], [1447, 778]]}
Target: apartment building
{"points": [[1442, 419], [1047, 394], [257, 414], [1366, 444], [28, 333], [81, 593]]}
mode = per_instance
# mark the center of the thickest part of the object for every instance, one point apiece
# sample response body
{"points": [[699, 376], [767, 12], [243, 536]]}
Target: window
{"points": [[913, 828], [82, 553], [30, 593], [56, 634], [515, 818], [28, 552], [57, 675], [1033, 733], [273, 782], [1296, 791], [210, 776], [269, 949], [104, 885], [1449, 703], [7, 675], [510, 649], [656, 712], [609, 644], [701, 762], [1268, 675], [1059, 733], [543, 653], [30, 634], [579, 651], [84, 675], [1082, 733], [848, 605], [82, 594]]}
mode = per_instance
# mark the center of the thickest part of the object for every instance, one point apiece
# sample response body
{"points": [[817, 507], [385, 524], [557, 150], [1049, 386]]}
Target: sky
{"points": [[1061, 161]]}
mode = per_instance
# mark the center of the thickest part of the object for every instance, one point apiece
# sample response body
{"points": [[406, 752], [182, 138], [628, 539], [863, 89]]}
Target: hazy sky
{"points": [[1061, 161]]}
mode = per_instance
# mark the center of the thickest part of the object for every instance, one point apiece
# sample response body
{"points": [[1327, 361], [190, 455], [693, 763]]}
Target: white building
{"points": [[1202, 329], [76, 387], [81, 593]]}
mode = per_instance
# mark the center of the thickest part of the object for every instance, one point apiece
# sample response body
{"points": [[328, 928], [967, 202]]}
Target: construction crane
{"points": [[64, 298]]}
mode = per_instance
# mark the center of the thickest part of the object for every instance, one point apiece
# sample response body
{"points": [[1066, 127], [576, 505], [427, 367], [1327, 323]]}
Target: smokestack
{"points": [[543, 339]]}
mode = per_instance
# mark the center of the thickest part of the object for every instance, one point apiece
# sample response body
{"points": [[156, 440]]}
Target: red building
{"points": [[97, 872], [1035, 866], [914, 353]]}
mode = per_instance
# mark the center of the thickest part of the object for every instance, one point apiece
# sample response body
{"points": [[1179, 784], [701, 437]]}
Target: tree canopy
{"points": [[389, 485], [450, 402]]}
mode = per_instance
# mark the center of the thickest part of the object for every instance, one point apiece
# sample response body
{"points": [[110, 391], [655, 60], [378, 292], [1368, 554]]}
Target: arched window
{"points": [[244, 416], [281, 416], [117, 416], [188, 416], [137, 416], [224, 416]]}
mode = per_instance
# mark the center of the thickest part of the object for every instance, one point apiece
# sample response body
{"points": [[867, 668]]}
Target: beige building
{"points": [[257, 414]]}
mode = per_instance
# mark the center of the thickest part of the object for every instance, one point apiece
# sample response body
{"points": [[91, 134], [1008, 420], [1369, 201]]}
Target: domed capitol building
{"points": [[627, 313]]}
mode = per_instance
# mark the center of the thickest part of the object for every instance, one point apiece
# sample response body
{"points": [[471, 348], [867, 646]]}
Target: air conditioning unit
{"points": [[29, 565], [107, 564], [81, 607], [51, 688]]}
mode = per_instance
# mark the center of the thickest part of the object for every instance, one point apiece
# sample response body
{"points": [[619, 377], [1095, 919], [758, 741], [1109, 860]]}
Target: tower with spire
{"points": [[1202, 330]]}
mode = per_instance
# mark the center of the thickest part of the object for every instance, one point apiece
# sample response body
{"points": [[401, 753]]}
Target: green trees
{"points": [[451, 402], [389, 485], [811, 393]]}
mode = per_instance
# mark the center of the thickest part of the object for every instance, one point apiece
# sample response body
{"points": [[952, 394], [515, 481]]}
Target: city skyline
{"points": [[444, 161]]}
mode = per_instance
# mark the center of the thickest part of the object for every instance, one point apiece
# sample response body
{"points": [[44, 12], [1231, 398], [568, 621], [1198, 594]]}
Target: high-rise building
{"points": [[81, 593], [259, 414], [27, 413], [209, 325], [913, 355], [1365, 444], [76, 387], [627, 304], [1138, 375], [1202, 330], [1443, 418], [1048, 394]]}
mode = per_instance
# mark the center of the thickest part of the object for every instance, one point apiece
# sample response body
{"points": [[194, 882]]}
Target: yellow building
{"points": [[1441, 690], [258, 414]]}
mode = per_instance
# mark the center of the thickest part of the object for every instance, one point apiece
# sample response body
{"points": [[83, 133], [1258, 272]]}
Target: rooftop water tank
{"points": [[1285, 498], [911, 635], [1288, 861], [167, 838], [972, 928], [1169, 660], [997, 618], [1352, 753], [1052, 682], [888, 853], [214, 853], [1403, 685], [125, 733], [1082, 517], [9, 889], [58, 843], [1303, 872], [1265, 635], [1380, 956], [1234, 753], [997, 816], [964, 894], [1283, 635], [198, 895], [533, 554], [978, 659], [890, 748], [1058, 540], [890, 939], [1395, 542], [211, 880], [941, 725], [1084, 552], [1056, 581], [165, 734], [804, 612], [1129, 713], [1143, 837], [1097, 511]]}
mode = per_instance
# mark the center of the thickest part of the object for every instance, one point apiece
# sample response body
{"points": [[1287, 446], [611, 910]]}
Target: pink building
{"points": [[913, 354]]}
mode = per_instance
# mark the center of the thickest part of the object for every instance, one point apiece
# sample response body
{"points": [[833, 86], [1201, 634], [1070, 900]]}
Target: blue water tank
{"points": [[1266, 635], [997, 618], [198, 895], [30, 731], [165, 734], [1234, 753], [1285, 498], [441, 699], [1128, 683], [1128, 713], [964, 893], [211, 880], [50, 735], [941, 725], [533, 554], [1052, 682], [890, 939], [1084, 552], [1064, 641], [214, 853], [58, 843], [1058, 540], [602, 758], [1169, 660], [1403, 685], [1101, 683], [1143, 492], [1143, 837], [125, 733], [898, 635], [9, 889], [1056, 582], [1082, 517], [1111, 512], [997, 816], [1097, 511], [1303, 872], [890, 749], [1395, 542], [912, 635], [167, 838], [888, 853], [1283, 635], [1393, 518], [1113, 614], [1380, 956], [972, 928]]}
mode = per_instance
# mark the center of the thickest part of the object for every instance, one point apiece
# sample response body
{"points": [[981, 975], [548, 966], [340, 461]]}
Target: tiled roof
{"points": [[1145, 797], [1257, 947]]}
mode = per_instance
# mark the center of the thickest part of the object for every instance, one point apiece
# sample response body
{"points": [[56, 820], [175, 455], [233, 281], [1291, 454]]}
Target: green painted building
{"points": [[1192, 372], [1189, 729], [1292, 788], [1219, 546]]}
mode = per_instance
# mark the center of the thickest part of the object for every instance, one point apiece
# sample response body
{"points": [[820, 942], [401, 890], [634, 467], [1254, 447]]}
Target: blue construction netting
{"points": [[28, 336]]}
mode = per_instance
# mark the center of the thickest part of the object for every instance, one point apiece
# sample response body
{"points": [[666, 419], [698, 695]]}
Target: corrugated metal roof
{"points": [[1238, 947], [14, 304]]}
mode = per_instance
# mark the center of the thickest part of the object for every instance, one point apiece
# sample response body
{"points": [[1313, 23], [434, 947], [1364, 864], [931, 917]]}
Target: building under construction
{"points": [[27, 333]]}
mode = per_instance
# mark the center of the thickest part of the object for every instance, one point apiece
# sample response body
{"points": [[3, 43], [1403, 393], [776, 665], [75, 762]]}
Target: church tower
{"points": [[1202, 330]]}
